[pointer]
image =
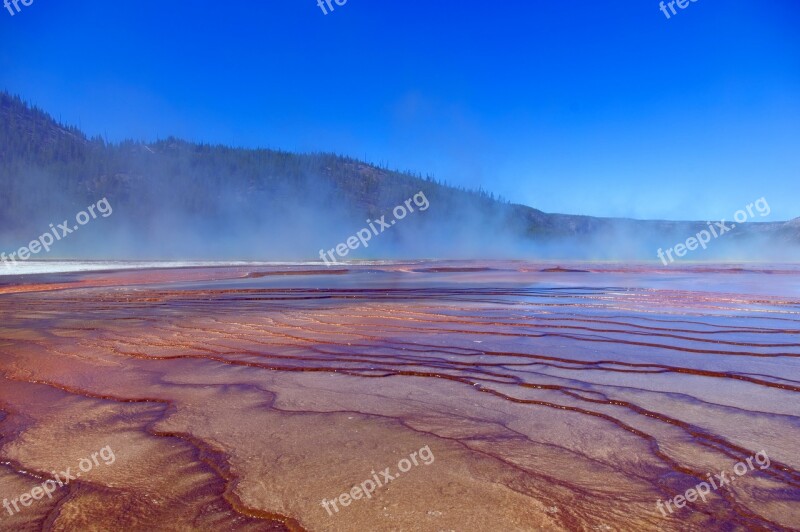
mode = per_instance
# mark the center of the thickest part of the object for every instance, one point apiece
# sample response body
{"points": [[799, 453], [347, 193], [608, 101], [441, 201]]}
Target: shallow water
{"points": [[30, 267], [556, 397]]}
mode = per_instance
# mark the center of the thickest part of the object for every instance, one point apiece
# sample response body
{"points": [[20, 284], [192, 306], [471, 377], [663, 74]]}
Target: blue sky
{"points": [[602, 108]]}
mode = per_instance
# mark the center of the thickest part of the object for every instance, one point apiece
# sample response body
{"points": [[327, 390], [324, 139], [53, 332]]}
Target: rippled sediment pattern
{"points": [[556, 398]]}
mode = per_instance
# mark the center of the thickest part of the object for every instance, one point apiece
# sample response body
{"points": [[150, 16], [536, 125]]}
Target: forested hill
{"points": [[31, 139], [175, 199]]}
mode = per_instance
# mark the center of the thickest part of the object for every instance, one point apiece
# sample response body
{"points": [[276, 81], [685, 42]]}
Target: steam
{"points": [[166, 207]]}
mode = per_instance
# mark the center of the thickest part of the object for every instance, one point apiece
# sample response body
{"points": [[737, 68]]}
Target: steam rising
{"points": [[174, 200]]}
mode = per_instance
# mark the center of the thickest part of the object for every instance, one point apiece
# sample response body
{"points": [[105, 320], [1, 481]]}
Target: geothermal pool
{"points": [[420, 395]]}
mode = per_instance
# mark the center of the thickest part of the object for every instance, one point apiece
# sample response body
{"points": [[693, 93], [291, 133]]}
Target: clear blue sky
{"points": [[576, 106]]}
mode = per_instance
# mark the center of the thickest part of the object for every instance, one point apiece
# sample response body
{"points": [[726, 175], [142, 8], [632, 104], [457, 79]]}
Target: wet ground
{"points": [[548, 397]]}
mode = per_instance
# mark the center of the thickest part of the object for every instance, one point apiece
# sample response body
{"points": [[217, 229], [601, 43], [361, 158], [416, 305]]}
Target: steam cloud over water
{"points": [[178, 200]]}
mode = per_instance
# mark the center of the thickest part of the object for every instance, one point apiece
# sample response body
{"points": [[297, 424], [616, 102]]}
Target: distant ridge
{"points": [[218, 202]]}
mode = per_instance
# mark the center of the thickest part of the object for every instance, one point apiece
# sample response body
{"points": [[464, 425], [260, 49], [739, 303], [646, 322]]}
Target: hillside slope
{"points": [[177, 199]]}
